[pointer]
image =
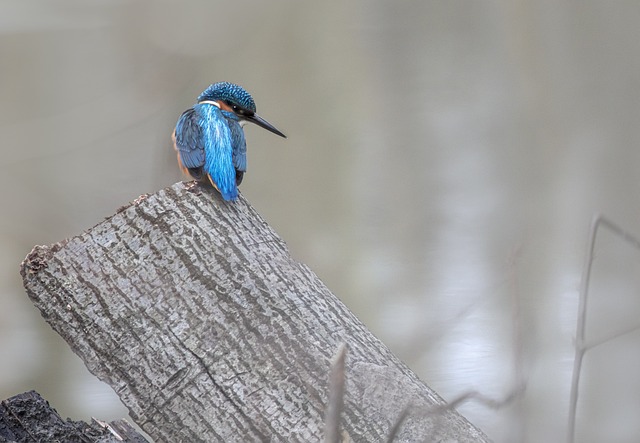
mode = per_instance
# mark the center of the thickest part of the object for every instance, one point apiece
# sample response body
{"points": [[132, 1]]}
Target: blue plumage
{"points": [[239, 149], [228, 92], [218, 148], [209, 138]]}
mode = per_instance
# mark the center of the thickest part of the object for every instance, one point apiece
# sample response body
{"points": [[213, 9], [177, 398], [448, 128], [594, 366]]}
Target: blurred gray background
{"points": [[443, 164]]}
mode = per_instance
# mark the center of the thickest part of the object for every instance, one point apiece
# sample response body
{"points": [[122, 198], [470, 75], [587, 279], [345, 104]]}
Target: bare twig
{"points": [[336, 397], [581, 345], [593, 343], [476, 396], [489, 402]]}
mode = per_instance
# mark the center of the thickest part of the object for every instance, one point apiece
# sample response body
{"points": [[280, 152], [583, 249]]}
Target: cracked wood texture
{"points": [[192, 309]]}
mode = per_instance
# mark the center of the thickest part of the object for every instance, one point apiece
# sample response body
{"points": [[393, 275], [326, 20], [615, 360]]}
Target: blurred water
{"points": [[443, 163]]}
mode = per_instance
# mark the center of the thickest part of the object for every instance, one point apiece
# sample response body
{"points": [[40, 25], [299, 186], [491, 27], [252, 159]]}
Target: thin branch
{"points": [[581, 346], [336, 397], [593, 343], [476, 396], [582, 319]]}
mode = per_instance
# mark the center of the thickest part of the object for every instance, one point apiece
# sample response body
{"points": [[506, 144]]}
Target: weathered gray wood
{"points": [[192, 309]]}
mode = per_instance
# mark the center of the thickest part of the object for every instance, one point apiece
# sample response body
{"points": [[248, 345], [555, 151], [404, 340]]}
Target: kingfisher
{"points": [[209, 137]]}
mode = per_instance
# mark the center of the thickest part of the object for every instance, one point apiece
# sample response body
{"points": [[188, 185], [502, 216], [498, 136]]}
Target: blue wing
{"points": [[218, 149], [239, 150], [188, 142]]}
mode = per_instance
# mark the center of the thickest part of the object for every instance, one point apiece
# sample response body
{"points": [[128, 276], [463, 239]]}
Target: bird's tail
{"points": [[231, 194]]}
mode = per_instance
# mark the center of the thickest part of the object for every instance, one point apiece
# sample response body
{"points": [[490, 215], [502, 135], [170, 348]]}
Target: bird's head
{"points": [[233, 98]]}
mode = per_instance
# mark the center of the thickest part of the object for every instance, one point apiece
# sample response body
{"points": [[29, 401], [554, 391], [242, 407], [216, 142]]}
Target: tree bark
{"points": [[192, 309], [29, 418]]}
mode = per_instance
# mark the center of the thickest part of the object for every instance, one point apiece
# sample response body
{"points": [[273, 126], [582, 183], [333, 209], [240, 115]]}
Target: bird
{"points": [[209, 137]]}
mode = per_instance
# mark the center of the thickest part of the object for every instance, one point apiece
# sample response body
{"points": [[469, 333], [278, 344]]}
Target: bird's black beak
{"points": [[255, 118]]}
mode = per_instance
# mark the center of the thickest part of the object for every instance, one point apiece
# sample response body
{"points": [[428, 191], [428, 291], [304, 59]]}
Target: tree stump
{"points": [[192, 309]]}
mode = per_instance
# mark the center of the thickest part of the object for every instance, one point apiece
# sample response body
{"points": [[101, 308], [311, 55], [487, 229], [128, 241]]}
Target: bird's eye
{"points": [[242, 111]]}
